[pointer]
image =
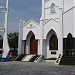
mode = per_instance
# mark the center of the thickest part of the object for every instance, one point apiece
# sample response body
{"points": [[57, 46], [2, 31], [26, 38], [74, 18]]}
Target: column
{"points": [[41, 37], [20, 37], [60, 39]]}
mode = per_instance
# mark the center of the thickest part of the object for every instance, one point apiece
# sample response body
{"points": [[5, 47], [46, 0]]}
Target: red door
{"points": [[33, 45]]}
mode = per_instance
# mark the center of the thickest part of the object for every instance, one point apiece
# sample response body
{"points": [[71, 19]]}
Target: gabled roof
{"points": [[50, 20], [31, 21], [69, 9]]}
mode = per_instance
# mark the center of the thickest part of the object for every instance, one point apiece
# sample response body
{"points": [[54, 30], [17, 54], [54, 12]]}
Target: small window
{"points": [[53, 8], [53, 52]]}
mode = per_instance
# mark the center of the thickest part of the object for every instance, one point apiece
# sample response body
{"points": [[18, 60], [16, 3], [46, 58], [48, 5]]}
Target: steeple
{"points": [[43, 9]]}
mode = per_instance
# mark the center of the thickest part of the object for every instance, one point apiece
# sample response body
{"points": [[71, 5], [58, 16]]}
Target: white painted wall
{"points": [[74, 19], [51, 24], [68, 23], [48, 14], [68, 4], [39, 47], [35, 29]]}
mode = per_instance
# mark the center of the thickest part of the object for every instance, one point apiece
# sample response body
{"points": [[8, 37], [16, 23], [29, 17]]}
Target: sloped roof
{"points": [[49, 20], [31, 21]]}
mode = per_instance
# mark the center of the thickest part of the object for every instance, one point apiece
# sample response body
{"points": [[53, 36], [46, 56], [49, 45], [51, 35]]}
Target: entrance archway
{"points": [[52, 40], [33, 45], [69, 46]]}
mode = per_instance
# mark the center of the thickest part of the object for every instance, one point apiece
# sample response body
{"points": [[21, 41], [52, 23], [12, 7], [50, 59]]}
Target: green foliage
{"points": [[13, 40]]}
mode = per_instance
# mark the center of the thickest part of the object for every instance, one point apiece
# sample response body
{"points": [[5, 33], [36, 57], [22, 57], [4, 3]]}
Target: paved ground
{"points": [[28, 68]]}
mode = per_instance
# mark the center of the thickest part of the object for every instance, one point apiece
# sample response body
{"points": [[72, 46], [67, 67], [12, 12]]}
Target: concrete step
{"points": [[19, 57], [27, 58], [67, 60]]}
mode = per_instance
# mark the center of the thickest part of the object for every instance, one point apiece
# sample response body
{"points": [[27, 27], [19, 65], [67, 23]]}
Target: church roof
{"points": [[50, 20], [31, 21]]}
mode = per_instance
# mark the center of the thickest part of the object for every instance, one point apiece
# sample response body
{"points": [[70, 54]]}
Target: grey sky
{"points": [[26, 9]]}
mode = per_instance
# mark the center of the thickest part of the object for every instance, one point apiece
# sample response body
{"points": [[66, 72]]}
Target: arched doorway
{"points": [[69, 46], [70, 42], [33, 45], [53, 42]]}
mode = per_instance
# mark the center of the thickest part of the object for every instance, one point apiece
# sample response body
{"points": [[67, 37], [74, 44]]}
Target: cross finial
{"points": [[21, 21]]}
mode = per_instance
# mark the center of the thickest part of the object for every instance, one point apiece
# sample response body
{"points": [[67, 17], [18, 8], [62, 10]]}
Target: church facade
{"points": [[54, 35]]}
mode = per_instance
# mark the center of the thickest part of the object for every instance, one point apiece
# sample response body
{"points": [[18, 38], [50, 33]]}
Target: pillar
{"points": [[6, 48], [41, 36], [60, 39], [20, 37]]}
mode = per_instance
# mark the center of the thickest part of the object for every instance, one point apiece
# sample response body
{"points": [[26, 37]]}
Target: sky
{"points": [[25, 9]]}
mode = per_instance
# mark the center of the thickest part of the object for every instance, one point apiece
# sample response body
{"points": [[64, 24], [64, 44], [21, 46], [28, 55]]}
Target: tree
{"points": [[13, 41]]}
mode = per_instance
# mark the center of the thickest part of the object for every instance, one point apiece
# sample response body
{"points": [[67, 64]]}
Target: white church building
{"points": [[54, 36]]}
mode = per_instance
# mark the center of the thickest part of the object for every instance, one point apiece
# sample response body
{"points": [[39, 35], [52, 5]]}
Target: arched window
{"points": [[69, 35], [53, 42], [53, 8], [70, 42]]}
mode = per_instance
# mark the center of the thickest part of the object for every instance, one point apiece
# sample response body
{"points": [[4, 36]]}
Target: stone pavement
{"points": [[31, 68]]}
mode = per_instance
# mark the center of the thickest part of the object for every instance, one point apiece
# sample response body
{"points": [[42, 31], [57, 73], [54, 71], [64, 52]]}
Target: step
{"points": [[20, 57], [67, 60], [27, 58], [33, 58], [17, 57]]}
